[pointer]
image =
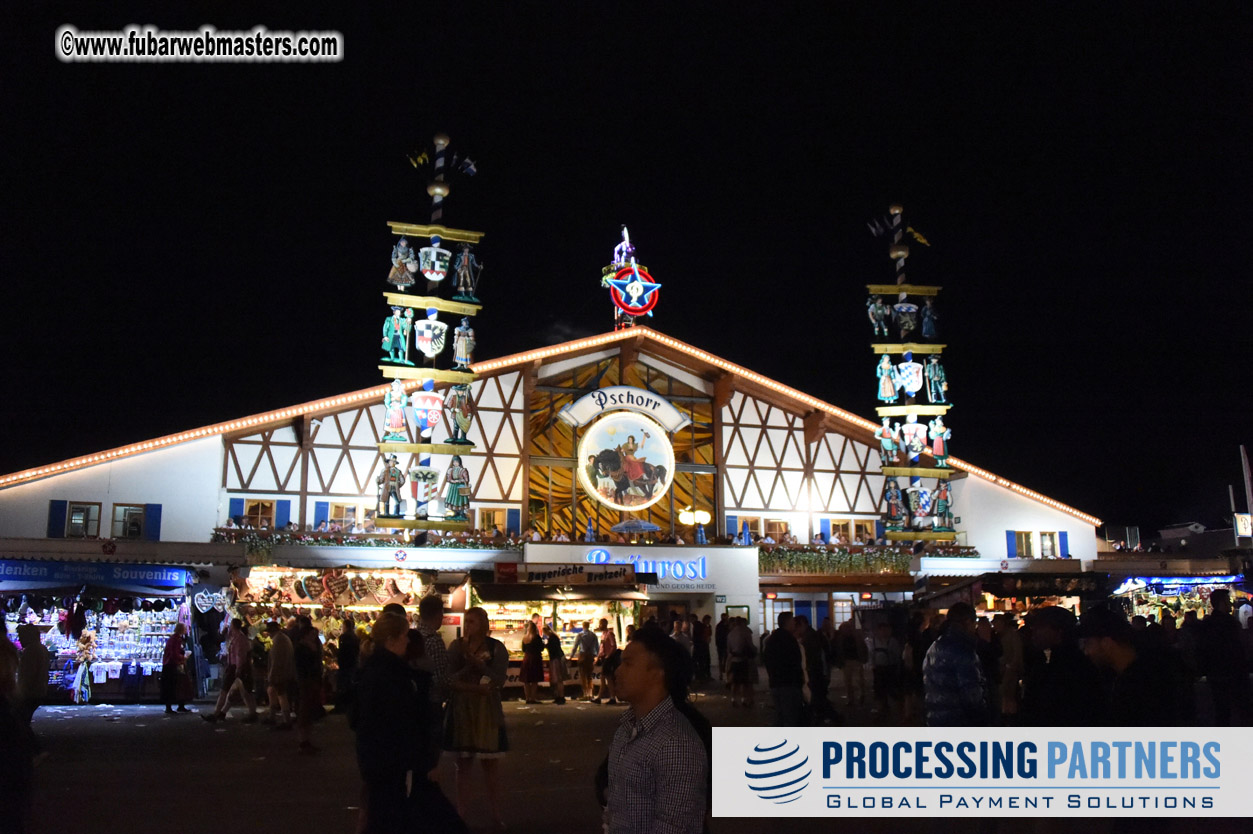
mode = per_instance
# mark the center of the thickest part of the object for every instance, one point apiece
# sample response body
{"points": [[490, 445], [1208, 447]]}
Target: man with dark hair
{"points": [[784, 665], [1058, 675], [720, 642], [1148, 688], [347, 654], [1223, 662], [952, 676], [659, 765]]}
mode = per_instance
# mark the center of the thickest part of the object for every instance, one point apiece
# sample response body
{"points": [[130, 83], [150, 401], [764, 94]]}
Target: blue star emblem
{"points": [[635, 292]]}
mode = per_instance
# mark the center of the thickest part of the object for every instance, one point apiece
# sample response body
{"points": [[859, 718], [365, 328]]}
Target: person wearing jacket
{"points": [[386, 717], [952, 677], [786, 669]]}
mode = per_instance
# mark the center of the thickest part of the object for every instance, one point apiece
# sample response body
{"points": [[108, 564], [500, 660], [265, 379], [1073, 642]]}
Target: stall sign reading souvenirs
{"points": [[623, 398]]}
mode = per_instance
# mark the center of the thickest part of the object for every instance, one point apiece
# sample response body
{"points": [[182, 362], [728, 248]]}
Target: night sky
{"points": [[184, 244]]}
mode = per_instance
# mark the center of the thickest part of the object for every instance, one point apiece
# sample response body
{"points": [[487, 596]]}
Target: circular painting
{"points": [[626, 461]]}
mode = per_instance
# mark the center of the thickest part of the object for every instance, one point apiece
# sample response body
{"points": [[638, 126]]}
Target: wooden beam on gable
{"points": [[530, 374], [815, 427], [628, 352], [724, 386]]}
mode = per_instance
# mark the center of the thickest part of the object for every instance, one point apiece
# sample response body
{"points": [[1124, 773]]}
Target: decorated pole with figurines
{"points": [[413, 407], [914, 513]]}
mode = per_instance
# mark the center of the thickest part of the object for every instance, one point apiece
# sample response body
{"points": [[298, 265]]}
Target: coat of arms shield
{"points": [[427, 408], [424, 481], [430, 336], [909, 376], [434, 262]]}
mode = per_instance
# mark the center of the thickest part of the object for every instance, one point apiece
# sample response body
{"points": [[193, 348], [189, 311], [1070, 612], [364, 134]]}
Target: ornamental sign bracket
{"points": [[623, 397]]}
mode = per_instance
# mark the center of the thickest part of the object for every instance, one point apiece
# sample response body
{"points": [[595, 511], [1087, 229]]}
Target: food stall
{"points": [[564, 596]]}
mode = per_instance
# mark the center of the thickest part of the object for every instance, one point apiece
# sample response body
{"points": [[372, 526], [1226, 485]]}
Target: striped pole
{"points": [[425, 458], [438, 189]]}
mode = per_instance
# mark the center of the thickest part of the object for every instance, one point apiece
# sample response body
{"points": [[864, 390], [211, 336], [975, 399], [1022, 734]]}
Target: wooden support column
{"points": [[723, 388], [305, 430], [529, 376], [814, 427], [628, 353]]}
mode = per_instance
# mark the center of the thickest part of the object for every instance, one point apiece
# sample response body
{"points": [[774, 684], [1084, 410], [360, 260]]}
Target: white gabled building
{"points": [[756, 452]]}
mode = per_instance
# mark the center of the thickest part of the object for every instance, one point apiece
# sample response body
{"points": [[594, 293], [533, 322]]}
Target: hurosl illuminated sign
{"points": [[626, 460], [668, 570]]}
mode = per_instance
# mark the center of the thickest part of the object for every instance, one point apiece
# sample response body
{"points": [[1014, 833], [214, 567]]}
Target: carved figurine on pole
{"points": [[396, 330], [394, 401], [456, 485], [887, 380], [939, 436], [463, 345], [942, 508], [469, 271], [888, 440], [895, 505], [879, 314], [460, 409], [937, 383], [390, 480], [929, 318], [404, 265]]}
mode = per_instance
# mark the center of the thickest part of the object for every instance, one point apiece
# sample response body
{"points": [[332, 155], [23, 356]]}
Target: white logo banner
{"points": [[1003, 772]]}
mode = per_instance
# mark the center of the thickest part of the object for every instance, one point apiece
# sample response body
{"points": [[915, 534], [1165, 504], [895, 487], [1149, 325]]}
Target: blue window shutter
{"points": [[1011, 544], [879, 530], [282, 513], [321, 512], [513, 522], [1063, 543], [236, 510], [152, 522], [56, 518], [732, 524], [824, 527]]}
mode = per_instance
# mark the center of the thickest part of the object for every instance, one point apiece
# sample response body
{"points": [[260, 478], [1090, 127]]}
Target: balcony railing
{"points": [[261, 542]]}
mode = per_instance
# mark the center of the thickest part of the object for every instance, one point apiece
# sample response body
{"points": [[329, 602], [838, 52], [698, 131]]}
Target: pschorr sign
{"points": [[623, 398]]}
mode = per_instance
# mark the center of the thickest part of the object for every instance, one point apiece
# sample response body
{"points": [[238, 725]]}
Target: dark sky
{"points": [[185, 243]]}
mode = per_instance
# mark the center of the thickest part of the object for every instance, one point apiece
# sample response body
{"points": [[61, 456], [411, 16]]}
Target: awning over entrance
{"points": [[970, 589]]}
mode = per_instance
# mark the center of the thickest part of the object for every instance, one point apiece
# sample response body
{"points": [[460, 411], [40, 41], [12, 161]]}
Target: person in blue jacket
{"points": [[952, 677]]}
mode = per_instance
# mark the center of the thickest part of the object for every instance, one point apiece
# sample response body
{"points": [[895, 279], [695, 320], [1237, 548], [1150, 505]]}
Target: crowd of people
{"points": [[961, 669]]}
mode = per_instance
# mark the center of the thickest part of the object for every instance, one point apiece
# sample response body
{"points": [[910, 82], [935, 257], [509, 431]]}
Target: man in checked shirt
{"points": [[659, 758]]}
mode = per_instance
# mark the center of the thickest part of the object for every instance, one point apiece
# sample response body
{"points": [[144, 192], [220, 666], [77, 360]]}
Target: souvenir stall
{"points": [[1155, 595], [105, 625], [564, 596]]}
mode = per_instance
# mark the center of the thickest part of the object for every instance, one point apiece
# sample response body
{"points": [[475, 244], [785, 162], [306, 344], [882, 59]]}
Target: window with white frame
{"points": [[82, 520], [1023, 545], [1048, 546], [128, 521]]}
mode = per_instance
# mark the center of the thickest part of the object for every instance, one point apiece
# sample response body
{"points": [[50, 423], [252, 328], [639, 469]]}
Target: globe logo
{"points": [[778, 773]]}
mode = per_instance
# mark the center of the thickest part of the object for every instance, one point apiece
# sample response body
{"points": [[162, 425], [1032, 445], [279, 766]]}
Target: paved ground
{"points": [[133, 769]]}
